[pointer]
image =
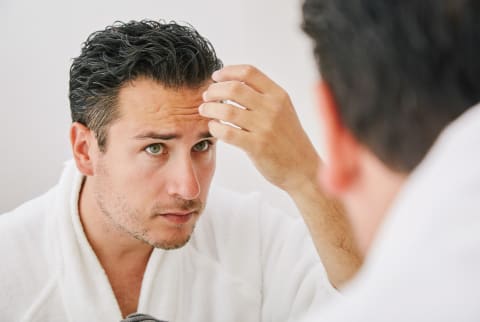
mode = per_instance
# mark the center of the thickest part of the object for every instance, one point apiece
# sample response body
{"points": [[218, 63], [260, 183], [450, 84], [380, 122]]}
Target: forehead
{"points": [[146, 103]]}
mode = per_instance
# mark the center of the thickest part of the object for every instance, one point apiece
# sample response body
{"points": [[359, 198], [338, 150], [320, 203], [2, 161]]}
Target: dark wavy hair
{"points": [[399, 70], [175, 55]]}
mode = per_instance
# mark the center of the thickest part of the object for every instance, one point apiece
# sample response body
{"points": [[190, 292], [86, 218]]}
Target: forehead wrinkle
{"points": [[147, 101], [178, 114], [184, 111], [175, 123]]}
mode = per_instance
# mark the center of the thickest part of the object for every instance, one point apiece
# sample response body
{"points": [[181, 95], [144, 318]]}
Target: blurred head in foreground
{"points": [[394, 74]]}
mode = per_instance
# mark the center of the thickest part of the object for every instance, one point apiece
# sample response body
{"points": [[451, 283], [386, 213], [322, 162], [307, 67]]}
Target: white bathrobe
{"points": [[424, 265], [245, 262]]}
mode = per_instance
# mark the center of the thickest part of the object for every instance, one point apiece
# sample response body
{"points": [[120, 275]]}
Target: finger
{"points": [[227, 113], [249, 75], [230, 134], [234, 91]]}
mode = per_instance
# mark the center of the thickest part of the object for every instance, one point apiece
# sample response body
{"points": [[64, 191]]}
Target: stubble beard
{"points": [[114, 207], [129, 220], [175, 239]]}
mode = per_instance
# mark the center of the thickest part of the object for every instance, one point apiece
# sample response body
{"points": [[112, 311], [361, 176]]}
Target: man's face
{"points": [[152, 180]]}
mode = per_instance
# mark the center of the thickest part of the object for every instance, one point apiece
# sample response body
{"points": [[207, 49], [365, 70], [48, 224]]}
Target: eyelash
{"points": [[152, 145], [209, 143]]}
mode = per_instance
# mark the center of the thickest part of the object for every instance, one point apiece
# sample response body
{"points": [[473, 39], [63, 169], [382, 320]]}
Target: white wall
{"points": [[39, 39]]}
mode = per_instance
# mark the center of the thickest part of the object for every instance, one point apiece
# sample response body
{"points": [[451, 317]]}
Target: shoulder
{"points": [[244, 228], [25, 221], [263, 245], [25, 254]]}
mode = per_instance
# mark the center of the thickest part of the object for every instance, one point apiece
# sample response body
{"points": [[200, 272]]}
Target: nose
{"points": [[184, 180]]}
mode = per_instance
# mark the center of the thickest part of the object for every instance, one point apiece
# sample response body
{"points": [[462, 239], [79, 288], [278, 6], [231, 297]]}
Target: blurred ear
{"points": [[82, 140], [341, 148]]}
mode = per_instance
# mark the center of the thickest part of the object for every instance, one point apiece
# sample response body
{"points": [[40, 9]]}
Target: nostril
{"points": [[185, 187], [182, 179]]}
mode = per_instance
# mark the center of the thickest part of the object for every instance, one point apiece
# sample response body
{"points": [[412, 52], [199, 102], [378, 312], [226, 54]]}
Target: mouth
{"points": [[178, 218]]}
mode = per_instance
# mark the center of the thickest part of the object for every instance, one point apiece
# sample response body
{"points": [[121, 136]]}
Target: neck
{"points": [[123, 258], [370, 199]]}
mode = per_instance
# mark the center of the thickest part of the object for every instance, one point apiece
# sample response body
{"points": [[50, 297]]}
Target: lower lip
{"points": [[178, 219]]}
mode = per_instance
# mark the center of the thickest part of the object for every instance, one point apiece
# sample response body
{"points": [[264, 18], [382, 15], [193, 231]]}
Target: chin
{"points": [[167, 235], [171, 244], [171, 237]]}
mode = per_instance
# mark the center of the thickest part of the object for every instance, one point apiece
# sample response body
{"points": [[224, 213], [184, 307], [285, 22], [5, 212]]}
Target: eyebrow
{"points": [[168, 136]]}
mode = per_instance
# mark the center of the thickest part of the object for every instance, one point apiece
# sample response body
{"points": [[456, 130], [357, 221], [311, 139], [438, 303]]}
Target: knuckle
{"points": [[235, 88], [248, 71], [228, 112], [280, 104], [228, 133], [283, 98]]}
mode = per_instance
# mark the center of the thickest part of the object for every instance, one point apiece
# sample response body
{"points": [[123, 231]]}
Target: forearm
{"points": [[330, 232]]}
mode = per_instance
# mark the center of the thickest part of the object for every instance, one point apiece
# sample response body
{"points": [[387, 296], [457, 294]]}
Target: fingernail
{"points": [[215, 75], [204, 95], [200, 109]]}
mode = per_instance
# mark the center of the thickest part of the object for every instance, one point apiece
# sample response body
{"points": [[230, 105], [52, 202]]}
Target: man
{"points": [[395, 74], [128, 228]]}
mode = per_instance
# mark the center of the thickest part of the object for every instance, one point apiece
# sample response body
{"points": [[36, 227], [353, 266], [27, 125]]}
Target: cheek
{"points": [[117, 165], [130, 179]]}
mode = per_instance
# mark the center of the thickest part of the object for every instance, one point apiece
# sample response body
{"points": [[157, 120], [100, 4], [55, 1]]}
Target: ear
{"points": [[341, 148], [82, 140]]}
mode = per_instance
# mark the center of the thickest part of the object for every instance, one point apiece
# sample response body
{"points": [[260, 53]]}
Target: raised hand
{"points": [[268, 128]]}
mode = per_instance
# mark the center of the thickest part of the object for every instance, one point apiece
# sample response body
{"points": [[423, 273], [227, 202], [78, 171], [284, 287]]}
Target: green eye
{"points": [[202, 146], [155, 149]]}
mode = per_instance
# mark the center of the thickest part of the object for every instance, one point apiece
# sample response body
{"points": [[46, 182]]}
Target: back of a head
{"points": [[400, 71], [175, 55]]}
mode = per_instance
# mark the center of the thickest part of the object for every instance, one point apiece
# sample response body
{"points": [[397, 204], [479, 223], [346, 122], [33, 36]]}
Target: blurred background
{"points": [[40, 38]]}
